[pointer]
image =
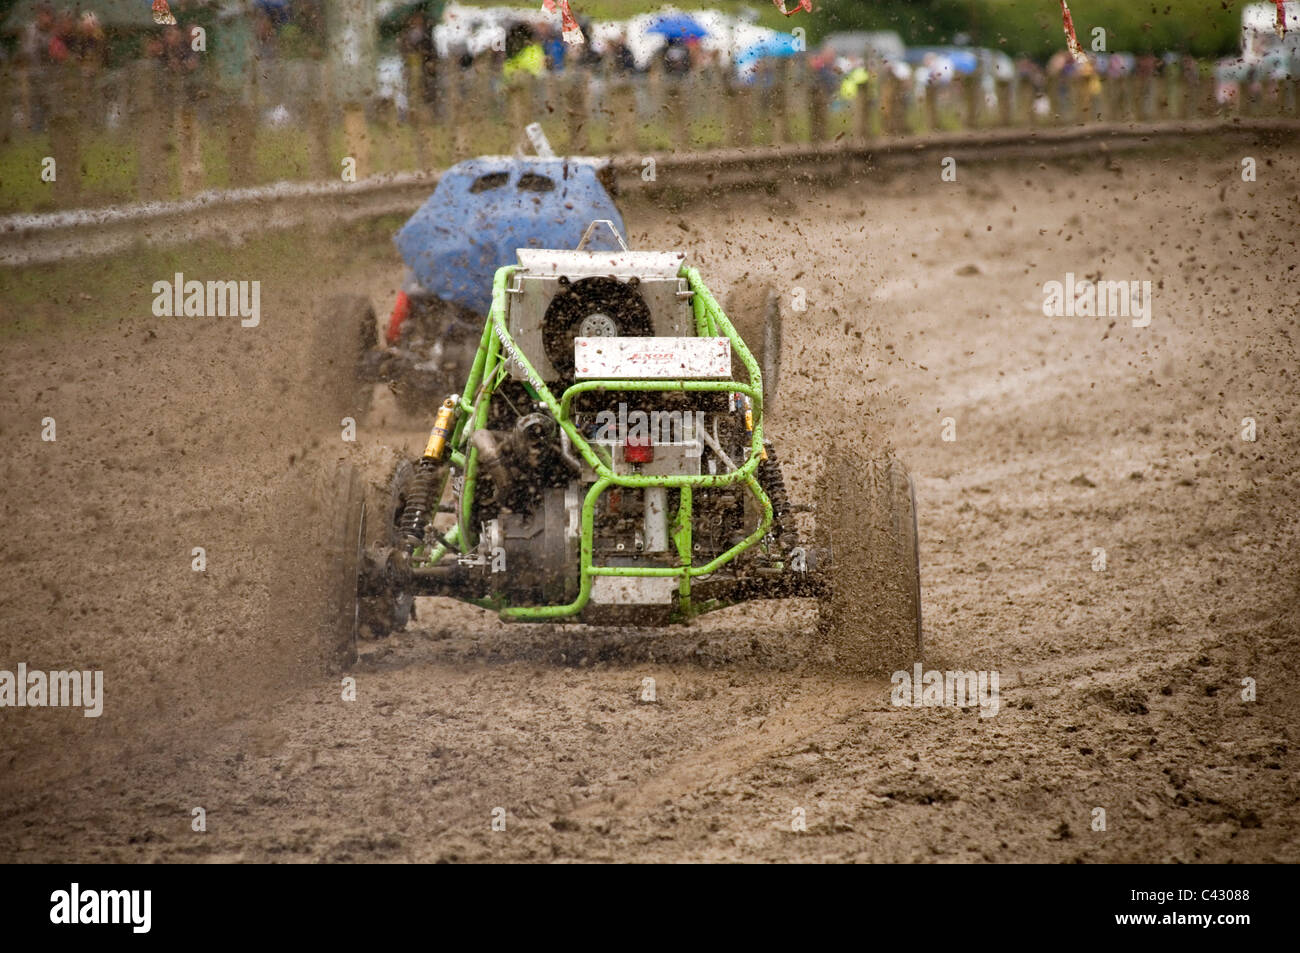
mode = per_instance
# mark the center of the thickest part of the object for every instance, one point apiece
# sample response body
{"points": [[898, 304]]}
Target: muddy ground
{"points": [[1121, 688]]}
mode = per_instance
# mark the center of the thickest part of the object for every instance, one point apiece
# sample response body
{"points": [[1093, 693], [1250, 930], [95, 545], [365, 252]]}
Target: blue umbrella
{"points": [[484, 209], [776, 46], [963, 60], [678, 26]]}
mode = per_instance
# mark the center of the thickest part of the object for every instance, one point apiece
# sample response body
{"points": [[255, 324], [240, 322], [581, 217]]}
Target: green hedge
{"points": [[1201, 27]]}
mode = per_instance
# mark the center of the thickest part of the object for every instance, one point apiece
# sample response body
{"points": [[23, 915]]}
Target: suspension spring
{"points": [[773, 484], [420, 501]]}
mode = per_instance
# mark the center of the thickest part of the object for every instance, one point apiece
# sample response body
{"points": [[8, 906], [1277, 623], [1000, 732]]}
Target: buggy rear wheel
{"points": [[343, 523], [358, 598], [754, 310], [867, 518], [383, 609]]}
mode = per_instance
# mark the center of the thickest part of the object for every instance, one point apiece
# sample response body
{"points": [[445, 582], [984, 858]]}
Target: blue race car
{"points": [[482, 211]]}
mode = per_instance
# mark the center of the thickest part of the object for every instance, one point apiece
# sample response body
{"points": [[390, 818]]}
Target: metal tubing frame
{"points": [[472, 414]]}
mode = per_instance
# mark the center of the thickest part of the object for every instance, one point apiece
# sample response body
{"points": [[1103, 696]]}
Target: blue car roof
{"points": [[484, 209]]}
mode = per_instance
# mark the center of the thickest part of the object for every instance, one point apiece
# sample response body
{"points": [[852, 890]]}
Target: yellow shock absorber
{"points": [[749, 419], [442, 426]]}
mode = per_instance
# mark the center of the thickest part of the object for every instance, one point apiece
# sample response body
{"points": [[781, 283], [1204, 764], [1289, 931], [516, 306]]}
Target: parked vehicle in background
{"points": [[1260, 43], [882, 45]]}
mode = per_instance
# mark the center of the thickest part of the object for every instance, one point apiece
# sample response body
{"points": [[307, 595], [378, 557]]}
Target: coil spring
{"points": [[773, 484], [419, 501]]}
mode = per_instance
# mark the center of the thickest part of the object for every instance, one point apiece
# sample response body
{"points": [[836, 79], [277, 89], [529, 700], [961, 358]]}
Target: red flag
{"points": [[1071, 40], [572, 33], [162, 14], [805, 5], [1281, 18]]}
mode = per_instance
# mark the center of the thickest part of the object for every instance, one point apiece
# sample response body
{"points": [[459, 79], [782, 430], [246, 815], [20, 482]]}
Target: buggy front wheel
{"points": [[866, 517]]}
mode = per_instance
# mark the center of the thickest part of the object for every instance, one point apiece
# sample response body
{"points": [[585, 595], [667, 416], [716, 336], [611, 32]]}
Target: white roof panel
{"points": [[620, 264]]}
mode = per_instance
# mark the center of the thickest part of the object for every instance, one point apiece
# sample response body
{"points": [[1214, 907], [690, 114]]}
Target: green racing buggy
{"points": [[605, 463]]}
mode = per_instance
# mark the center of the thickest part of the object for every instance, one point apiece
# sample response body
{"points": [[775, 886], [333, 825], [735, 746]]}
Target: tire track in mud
{"points": [[821, 705]]}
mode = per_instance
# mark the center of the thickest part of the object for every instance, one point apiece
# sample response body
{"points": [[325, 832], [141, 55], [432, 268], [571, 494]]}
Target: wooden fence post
{"points": [[675, 103], [189, 147], [65, 138], [972, 93], [623, 105], [356, 138], [576, 106], [1170, 106], [1111, 97], [817, 108], [898, 120], [740, 118], [1080, 101], [1006, 101], [654, 82], [323, 163], [1147, 97], [1209, 95], [519, 106], [152, 119], [887, 102], [780, 93], [482, 105], [1022, 109], [25, 98], [455, 113], [717, 108], [865, 106], [17, 94], [1054, 113], [417, 109], [1187, 91]]}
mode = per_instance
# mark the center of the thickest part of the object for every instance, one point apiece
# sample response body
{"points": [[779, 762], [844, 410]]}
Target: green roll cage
{"points": [[490, 370]]}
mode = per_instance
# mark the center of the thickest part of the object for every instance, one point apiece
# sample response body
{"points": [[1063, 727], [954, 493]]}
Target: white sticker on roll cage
{"points": [[513, 357], [651, 358]]}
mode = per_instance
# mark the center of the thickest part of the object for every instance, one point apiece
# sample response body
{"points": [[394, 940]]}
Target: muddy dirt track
{"points": [[1120, 689]]}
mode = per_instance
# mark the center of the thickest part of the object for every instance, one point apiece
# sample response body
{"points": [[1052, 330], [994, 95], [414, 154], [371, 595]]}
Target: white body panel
{"points": [[652, 358]]}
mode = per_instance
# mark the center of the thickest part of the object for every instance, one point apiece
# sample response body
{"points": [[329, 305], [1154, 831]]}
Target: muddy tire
{"points": [[754, 309], [871, 618], [343, 526], [381, 613], [344, 331]]}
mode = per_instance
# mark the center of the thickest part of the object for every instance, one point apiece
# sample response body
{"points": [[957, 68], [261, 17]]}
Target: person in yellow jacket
{"points": [[853, 80], [524, 55]]}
